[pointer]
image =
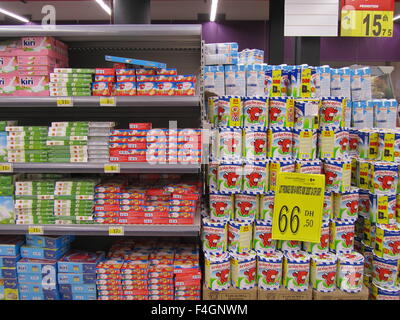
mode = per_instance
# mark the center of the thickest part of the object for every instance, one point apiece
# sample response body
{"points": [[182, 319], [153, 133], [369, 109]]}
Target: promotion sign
{"points": [[299, 200], [367, 18]]}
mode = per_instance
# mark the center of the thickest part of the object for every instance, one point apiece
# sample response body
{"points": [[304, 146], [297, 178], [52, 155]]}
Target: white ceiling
{"points": [[160, 9]]}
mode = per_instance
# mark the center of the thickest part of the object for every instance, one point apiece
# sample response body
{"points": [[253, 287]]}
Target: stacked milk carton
{"points": [[25, 65], [77, 275], [7, 199], [251, 56], [34, 201], [9, 256], [73, 201], [37, 270], [27, 144], [71, 82]]}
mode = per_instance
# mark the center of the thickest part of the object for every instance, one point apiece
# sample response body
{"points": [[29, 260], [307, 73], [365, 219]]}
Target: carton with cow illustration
{"points": [[246, 206], [384, 177], [269, 270], [323, 246], [281, 112], [254, 143], [244, 270], [378, 292], [296, 271], [262, 236], [280, 142], [230, 143], [212, 176], [240, 235], [217, 268], [345, 204], [337, 175], [385, 271], [323, 272], [304, 144], [350, 267], [255, 176], [221, 206], [341, 238], [309, 166], [367, 252], [214, 236], [333, 143], [230, 178], [387, 241], [255, 112], [228, 110], [266, 206], [279, 165], [332, 112]]}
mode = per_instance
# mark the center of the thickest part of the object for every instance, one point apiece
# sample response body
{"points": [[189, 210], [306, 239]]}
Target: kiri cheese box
{"points": [[80, 262], [8, 84], [8, 64], [32, 86], [235, 80]]}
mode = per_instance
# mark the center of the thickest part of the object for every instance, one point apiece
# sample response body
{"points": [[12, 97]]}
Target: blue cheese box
{"points": [[79, 296], [39, 266], [10, 245], [8, 273], [80, 262], [49, 242], [77, 288], [9, 262], [43, 253], [76, 278], [48, 292], [39, 296]]}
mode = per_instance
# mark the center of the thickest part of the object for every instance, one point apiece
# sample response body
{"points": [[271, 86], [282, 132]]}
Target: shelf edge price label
{"points": [[116, 231], [6, 167], [298, 205], [35, 230], [108, 102], [65, 102], [112, 168]]}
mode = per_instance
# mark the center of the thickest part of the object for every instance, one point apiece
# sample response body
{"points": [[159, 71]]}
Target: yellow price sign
{"points": [[6, 167], [299, 200], [35, 230], [112, 168], [108, 102], [65, 102], [116, 231], [366, 23]]}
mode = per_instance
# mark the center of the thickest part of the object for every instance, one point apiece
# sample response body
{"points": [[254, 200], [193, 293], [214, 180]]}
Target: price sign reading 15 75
{"points": [[298, 207]]}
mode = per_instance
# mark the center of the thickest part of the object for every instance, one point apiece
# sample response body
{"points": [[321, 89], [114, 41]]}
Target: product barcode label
{"points": [[108, 102], [112, 168], [6, 167], [65, 102], [35, 230], [116, 231]]}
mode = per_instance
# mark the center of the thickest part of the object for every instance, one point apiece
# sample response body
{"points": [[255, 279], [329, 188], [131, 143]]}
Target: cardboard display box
{"points": [[340, 295], [230, 294], [284, 294]]}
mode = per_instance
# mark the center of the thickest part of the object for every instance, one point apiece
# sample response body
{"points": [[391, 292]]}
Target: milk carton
{"points": [[255, 79], [345, 82], [214, 79], [8, 85], [356, 84], [392, 112], [380, 113], [366, 91], [336, 86], [324, 81], [235, 80]]}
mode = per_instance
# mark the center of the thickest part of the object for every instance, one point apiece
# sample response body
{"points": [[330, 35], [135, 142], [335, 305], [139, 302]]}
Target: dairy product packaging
{"points": [[214, 79], [255, 79], [350, 272], [240, 235], [221, 53], [269, 270], [281, 112], [221, 207], [217, 271], [280, 142], [345, 204], [306, 113], [235, 80], [337, 175], [262, 236], [228, 111], [244, 270], [296, 271], [255, 111], [323, 272], [251, 56], [341, 238], [323, 246], [214, 236]]}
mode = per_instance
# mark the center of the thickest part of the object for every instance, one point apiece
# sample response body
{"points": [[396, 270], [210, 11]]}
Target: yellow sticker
{"points": [[298, 207], [35, 230], [112, 168], [235, 111], [366, 23], [388, 147], [116, 231], [6, 167], [382, 212], [65, 102], [305, 91], [108, 102], [276, 83]]}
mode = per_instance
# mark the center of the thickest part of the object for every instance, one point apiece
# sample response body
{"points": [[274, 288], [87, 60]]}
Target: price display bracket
{"points": [[298, 205], [65, 102], [116, 231], [37, 230], [367, 18]]}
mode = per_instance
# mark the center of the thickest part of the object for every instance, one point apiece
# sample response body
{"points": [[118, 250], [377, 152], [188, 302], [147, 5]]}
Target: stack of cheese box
{"points": [[79, 141], [3, 138], [104, 82], [187, 273], [37, 270], [27, 144], [109, 279], [71, 82], [7, 199], [126, 82], [107, 202], [9, 256], [73, 201], [77, 275], [34, 201]]}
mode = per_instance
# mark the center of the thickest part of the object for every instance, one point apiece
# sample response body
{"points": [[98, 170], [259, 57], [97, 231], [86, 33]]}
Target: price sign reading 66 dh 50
{"points": [[299, 200]]}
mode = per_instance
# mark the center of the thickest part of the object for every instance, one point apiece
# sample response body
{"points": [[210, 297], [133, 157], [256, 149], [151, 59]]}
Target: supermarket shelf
{"points": [[103, 230], [154, 33], [94, 101], [88, 167]]}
